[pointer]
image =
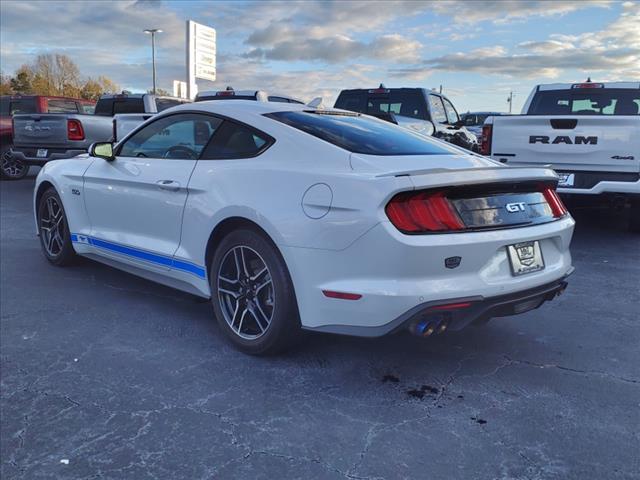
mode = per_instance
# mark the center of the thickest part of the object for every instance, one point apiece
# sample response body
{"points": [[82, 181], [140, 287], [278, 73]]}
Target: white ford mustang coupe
{"points": [[292, 218]]}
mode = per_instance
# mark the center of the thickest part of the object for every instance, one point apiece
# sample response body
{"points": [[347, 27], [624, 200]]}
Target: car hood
{"points": [[408, 164]]}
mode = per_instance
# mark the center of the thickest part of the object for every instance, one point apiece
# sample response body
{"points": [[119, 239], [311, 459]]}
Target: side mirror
{"points": [[458, 124], [102, 150]]}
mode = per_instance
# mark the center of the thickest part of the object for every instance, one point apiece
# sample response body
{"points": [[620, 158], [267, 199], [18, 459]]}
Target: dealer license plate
{"points": [[525, 257], [566, 179], [41, 153]]}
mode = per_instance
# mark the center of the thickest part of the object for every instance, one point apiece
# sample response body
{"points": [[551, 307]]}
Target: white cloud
{"points": [[282, 41], [613, 52], [506, 11]]}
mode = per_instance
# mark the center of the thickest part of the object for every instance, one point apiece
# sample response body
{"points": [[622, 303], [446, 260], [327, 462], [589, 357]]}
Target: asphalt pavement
{"points": [[105, 375]]}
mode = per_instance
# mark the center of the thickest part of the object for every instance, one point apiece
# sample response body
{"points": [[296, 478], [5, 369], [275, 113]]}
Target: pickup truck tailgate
{"points": [[45, 129], [592, 143]]}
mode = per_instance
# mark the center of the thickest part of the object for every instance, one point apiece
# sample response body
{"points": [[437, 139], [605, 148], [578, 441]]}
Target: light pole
{"points": [[152, 32]]}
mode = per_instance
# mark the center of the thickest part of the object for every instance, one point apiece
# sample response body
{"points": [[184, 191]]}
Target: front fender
{"points": [[67, 177]]}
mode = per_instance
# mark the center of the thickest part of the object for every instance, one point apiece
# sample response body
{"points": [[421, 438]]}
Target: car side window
{"points": [[61, 106], [87, 108], [234, 140], [278, 99], [437, 109], [182, 136], [452, 115]]}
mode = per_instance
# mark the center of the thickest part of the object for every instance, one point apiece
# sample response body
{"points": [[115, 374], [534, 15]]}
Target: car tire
{"points": [[252, 294], [11, 168], [53, 228]]}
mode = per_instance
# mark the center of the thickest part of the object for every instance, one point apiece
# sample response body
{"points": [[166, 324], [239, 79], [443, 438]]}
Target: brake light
{"points": [[225, 93], [557, 207], [74, 130], [587, 85], [485, 142], [379, 90], [415, 212]]}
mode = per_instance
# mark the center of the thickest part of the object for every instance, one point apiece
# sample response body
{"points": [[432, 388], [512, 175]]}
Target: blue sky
{"points": [[478, 50]]}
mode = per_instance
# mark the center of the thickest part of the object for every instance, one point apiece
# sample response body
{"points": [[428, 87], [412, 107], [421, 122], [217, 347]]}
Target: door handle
{"points": [[170, 185]]}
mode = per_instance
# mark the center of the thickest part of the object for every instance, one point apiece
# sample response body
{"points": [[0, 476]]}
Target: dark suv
{"points": [[417, 104]]}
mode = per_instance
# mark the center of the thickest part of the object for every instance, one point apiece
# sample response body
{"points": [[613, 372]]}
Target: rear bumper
{"points": [[27, 155], [447, 314], [596, 183], [396, 274]]}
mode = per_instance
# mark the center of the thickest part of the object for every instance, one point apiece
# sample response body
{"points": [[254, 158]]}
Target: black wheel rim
{"points": [[52, 227], [245, 292], [13, 168]]}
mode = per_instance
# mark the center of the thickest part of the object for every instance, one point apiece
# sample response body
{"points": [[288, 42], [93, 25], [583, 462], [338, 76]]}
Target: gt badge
{"points": [[515, 207], [75, 191], [452, 262]]}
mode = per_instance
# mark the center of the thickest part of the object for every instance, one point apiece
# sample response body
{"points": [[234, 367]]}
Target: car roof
{"points": [[241, 107], [245, 93]]}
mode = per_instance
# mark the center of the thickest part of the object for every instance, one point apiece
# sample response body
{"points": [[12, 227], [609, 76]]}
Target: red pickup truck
{"points": [[18, 104]]}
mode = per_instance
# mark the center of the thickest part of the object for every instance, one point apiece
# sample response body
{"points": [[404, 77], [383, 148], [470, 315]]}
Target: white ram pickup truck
{"points": [[588, 132]]}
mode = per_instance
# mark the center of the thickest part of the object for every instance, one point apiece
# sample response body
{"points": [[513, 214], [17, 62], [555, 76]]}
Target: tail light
{"points": [[74, 130], [465, 208], [557, 207], [485, 143], [415, 212]]}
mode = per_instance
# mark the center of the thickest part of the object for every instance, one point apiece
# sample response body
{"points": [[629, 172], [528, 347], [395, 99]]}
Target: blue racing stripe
{"points": [[143, 255]]}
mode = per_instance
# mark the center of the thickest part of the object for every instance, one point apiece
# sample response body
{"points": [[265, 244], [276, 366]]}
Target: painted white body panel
{"points": [[323, 208], [617, 149]]}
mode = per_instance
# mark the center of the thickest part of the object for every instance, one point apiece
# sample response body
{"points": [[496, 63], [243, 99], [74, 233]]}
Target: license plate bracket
{"points": [[525, 257]]}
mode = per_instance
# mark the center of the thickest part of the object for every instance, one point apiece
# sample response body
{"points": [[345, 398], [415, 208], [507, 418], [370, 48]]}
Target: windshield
{"points": [[361, 134], [592, 101]]}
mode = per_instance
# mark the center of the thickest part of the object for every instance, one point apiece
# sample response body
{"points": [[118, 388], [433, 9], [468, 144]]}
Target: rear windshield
{"points": [[110, 106], [22, 105], [583, 101], [164, 103], [360, 134], [405, 103]]}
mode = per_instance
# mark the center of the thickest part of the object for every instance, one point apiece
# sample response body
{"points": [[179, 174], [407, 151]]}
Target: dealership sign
{"points": [[201, 55]]}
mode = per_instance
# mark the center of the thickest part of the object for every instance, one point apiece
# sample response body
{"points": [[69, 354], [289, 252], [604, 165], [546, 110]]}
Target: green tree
{"points": [[94, 88], [22, 81]]}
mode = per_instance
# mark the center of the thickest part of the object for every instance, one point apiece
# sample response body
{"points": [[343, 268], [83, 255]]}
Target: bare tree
{"points": [[56, 74]]}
